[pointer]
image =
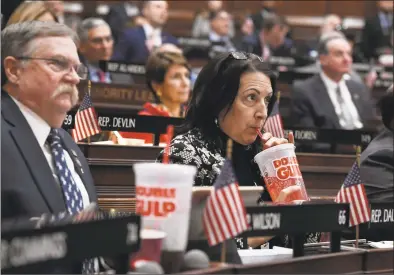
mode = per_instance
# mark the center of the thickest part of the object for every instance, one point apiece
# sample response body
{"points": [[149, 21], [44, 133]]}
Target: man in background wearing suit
{"points": [[377, 170], [271, 40], [377, 160], [97, 45], [119, 17], [377, 31], [135, 45], [45, 177], [328, 100]]}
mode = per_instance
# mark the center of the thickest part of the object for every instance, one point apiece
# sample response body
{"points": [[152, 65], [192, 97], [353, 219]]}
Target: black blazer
{"points": [[377, 168], [375, 36], [131, 47], [312, 106], [28, 188]]}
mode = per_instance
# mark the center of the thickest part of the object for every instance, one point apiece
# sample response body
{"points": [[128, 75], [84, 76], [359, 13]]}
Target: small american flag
{"points": [[353, 192], [86, 123], [274, 123], [224, 216]]}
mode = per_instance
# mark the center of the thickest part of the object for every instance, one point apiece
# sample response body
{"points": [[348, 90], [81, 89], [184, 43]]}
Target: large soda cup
{"points": [[163, 193], [279, 168]]}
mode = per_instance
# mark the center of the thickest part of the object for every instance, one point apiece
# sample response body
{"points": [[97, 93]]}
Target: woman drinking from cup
{"points": [[232, 98], [168, 77]]}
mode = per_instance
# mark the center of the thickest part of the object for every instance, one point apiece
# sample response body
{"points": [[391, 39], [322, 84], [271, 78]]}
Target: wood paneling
{"points": [[347, 8], [309, 8]]}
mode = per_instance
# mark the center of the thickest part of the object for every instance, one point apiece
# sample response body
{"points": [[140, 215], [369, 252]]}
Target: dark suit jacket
{"points": [[28, 188], [377, 168], [376, 172], [374, 36], [117, 19], [284, 50], [131, 47], [312, 107]]}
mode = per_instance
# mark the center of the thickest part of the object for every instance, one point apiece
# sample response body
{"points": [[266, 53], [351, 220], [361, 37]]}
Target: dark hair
{"points": [[157, 66], [216, 88], [386, 106]]}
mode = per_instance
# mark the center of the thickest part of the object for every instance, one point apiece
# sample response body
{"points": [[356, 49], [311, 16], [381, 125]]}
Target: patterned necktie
{"points": [[344, 116], [72, 194]]}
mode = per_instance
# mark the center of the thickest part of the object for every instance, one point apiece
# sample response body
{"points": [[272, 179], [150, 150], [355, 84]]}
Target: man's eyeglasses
{"points": [[59, 65]]}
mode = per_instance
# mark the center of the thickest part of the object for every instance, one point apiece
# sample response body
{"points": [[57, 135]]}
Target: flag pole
{"points": [[229, 153], [358, 153], [89, 86]]}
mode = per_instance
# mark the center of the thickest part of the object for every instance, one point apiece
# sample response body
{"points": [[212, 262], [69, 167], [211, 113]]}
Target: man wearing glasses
{"points": [[45, 177]]}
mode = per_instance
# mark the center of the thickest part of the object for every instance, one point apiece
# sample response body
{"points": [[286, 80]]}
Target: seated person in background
{"points": [[272, 38], [201, 24], [31, 11], [119, 16], [232, 98], [327, 100], [377, 31], [246, 39], [267, 9], [135, 44], [219, 33], [168, 77], [96, 43], [377, 160], [377, 170], [332, 22]]}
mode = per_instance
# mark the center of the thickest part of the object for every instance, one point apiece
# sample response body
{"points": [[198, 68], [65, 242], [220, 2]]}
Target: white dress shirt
{"points": [[41, 131], [331, 88], [153, 34]]}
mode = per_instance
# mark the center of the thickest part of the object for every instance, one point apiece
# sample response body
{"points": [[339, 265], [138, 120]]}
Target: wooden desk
{"points": [[379, 261], [112, 169]]}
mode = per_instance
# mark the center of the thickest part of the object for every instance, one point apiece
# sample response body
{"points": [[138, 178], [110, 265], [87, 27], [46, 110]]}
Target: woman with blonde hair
{"points": [[168, 78], [31, 11]]}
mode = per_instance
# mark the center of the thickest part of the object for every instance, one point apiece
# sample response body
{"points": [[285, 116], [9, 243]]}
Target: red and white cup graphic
{"points": [[279, 168]]}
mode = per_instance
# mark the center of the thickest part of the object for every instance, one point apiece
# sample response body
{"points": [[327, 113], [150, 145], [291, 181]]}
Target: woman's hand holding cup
{"points": [[270, 141]]}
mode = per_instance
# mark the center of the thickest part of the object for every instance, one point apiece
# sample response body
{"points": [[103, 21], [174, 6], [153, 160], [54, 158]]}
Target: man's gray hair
{"points": [[326, 38], [86, 25], [16, 38]]}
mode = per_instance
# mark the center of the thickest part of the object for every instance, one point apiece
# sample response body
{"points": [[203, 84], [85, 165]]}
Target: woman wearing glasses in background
{"points": [[168, 77], [232, 98]]}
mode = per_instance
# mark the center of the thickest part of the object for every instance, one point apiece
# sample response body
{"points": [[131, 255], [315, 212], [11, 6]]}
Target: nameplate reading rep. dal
{"points": [[382, 215]]}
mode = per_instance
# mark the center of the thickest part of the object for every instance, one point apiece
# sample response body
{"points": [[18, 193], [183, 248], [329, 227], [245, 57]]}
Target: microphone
{"points": [[195, 259], [147, 267]]}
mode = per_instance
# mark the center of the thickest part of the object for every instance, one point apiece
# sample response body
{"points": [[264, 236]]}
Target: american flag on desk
{"points": [[86, 122], [224, 216], [353, 192], [274, 123]]}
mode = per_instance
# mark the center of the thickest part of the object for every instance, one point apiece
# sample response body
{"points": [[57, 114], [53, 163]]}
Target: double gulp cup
{"points": [[164, 193], [279, 168]]}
